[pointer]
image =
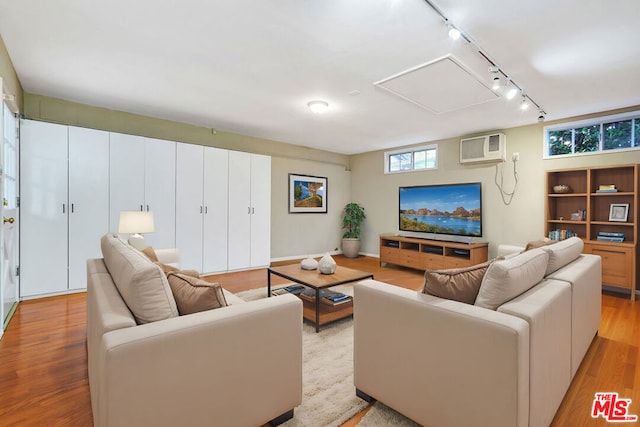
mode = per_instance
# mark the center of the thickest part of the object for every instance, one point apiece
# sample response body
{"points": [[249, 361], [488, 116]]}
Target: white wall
{"points": [[516, 223]]}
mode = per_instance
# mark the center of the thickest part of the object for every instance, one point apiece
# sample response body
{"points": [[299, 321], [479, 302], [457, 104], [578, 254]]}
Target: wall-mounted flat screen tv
{"points": [[452, 209]]}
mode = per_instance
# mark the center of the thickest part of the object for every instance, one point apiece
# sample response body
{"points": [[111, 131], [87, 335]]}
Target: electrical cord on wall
{"points": [[507, 197]]}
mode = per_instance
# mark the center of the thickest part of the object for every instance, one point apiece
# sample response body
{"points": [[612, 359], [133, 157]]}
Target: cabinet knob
{"points": [[8, 220]]}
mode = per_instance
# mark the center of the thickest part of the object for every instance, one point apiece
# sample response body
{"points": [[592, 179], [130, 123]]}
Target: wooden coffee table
{"points": [[319, 314]]}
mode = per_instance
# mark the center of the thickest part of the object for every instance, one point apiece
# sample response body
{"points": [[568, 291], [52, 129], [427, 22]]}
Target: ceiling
{"points": [[251, 66]]}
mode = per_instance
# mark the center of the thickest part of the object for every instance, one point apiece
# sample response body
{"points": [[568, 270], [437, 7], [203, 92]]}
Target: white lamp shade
{"points": [[132, 222]]}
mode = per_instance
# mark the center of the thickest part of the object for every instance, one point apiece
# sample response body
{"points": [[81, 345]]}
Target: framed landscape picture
{"points": [[307, 194]]}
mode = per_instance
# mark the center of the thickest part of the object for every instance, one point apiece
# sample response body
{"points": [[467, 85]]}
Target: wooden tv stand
{"points": [[424, 254]]}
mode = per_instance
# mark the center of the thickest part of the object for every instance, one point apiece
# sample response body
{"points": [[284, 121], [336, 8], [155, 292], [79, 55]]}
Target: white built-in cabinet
{"points": [[142, 177], [249, 210], [63, 205], [201, 207], [213, 204]]}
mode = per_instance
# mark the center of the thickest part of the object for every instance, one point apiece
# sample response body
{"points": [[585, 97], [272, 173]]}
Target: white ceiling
{"points": [[251, 66]]}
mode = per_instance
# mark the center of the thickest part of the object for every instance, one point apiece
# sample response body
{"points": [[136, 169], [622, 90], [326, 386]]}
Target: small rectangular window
{"points": [[420, 158]]}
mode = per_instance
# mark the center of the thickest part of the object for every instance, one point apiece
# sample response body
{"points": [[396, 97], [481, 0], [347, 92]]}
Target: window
{"points": [[414, 159], [599, 135]]}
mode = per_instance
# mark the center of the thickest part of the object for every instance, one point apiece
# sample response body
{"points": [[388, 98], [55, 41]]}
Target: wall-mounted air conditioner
{"points": [[481, 149]]}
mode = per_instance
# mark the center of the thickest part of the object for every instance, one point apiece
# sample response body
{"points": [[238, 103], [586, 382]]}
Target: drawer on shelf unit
{"points": [[430, 261], [616, 265]]}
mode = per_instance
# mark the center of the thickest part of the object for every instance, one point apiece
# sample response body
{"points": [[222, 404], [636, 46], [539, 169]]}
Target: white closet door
{"points": [[126, 175], [239, 210], [216, 182], [189, 206], [260, 210], [160, 191], [43, 208], [88, 199]]}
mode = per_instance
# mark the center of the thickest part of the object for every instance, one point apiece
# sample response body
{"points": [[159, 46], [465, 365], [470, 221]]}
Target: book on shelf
{"points": [[610, 239], [561, 234], [611, 190], [607, 187], [610, 234]]}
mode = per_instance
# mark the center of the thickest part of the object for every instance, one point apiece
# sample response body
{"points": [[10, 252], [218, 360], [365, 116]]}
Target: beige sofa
{"points": [[445, 363], [239, 365]]}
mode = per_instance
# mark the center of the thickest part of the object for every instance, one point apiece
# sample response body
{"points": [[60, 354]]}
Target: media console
{"points": [[425, 254]]}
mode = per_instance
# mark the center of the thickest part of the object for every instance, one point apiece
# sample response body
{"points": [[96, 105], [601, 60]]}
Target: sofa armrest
{"points": [[169, 256], [440, 362], [205, 367]]}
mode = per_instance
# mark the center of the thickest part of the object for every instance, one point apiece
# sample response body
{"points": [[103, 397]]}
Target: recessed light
{"points": [[318, 106]]}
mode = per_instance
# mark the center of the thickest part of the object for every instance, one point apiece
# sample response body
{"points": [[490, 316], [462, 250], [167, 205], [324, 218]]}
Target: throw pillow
{"points": [[193, 295], [458, 284], [506, 279], [535, 244], [171, 269], [150, 253]]}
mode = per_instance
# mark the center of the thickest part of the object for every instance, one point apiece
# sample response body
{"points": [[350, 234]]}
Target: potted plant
{"points": [[352, 218]]}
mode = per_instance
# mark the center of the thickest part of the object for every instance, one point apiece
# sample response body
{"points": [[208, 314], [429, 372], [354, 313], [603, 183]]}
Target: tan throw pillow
{"points": [[458, 284], [150, 253], [171, 269], [193, 295], [535, 244]]}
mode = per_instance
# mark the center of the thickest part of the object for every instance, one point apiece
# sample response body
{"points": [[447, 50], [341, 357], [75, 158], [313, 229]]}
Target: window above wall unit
{"points": [[411, 159], [593, 136]]}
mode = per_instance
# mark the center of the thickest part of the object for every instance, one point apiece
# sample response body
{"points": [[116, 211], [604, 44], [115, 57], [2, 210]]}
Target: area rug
{"points": [[381, 416], [328, 394]]}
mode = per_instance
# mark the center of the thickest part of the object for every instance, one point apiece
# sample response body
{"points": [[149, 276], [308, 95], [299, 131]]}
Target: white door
{"points": [[88, 199], [260, 210], [126, 176], [189, 206], [43, 208], [216, 183], [160, 191], [239, 210], [10, 230]]}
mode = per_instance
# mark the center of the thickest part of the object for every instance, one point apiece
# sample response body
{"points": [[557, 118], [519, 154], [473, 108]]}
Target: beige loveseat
{"points": [[446, 363], [239, 365]]}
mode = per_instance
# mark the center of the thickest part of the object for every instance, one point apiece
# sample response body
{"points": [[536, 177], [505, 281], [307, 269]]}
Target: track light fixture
{"points": [[507, 86], [542, 115], [454, 33], [318, 106]]}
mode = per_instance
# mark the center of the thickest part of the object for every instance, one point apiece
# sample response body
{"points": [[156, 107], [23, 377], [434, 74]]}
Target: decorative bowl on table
{"points": [[561, 189]]}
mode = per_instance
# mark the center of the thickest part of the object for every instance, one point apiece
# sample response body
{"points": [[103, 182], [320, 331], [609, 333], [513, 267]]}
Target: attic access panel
{"points": [[439, 86]]}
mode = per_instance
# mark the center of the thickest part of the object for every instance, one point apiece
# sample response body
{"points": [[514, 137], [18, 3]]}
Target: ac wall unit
{"points": [[481, 149]]}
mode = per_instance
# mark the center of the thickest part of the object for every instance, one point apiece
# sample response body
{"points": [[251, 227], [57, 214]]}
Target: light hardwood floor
{"points": [[43, 372]]}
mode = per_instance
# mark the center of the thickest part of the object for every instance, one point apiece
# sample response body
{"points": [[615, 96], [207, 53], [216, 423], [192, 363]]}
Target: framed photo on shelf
{"points": [[618, 212], [307, 194]]}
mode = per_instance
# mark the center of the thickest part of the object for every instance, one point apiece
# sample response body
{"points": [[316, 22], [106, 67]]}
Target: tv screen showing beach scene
{"points": [[454, 209]]}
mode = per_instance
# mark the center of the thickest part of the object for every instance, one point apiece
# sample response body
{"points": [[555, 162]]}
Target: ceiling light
{"points": [[524, 105], [496, 83], [542, 116], [318, 106], [496, 78], [454, 33], [511, 92]]}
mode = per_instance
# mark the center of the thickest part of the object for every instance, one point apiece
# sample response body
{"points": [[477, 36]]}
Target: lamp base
{"points": [[137, 241]]}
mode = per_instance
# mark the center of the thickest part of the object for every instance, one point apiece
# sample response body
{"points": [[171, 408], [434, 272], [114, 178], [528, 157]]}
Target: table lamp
{"points": [[134, 223]]}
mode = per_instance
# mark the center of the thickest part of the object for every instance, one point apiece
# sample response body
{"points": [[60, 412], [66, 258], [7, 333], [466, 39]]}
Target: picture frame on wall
{"points": [[619, 212], [307, 194]]}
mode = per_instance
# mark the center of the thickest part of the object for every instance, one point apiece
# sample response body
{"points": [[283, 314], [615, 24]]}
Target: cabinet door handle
{"points": [[64, 208], [141, 208], [206, 210], [147, 208], [249, 210], [73, 207], [253, 210], [200, 209]]}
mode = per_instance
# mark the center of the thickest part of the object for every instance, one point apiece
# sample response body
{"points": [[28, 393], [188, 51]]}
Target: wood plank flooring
{"points": [[43, 372]]}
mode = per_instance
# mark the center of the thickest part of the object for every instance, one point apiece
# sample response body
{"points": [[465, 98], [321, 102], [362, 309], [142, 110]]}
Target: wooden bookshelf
{"points": [[425, 254], [619, 263]]}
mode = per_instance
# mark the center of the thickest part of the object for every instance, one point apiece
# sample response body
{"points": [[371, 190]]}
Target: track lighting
{"points": [[511, 92], [496, 78], [542, 115], [454, 33], [524, 105]]}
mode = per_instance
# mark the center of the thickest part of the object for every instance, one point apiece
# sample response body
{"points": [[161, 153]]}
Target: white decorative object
{"points": [[327, 265], [309, 264]]}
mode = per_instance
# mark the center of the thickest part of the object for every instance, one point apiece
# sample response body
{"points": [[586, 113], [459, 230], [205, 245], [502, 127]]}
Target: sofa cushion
{"points": [[508, 278], [193, 295], [458, 284], [562, 253], [535, 244], [142, 284]]}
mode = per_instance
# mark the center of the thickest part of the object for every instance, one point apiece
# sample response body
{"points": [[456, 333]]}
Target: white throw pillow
{"points": [[506, 279], [562, 253]]}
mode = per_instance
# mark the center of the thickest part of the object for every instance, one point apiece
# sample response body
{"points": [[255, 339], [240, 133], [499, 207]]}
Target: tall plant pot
{"points": [[350, 247]]}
